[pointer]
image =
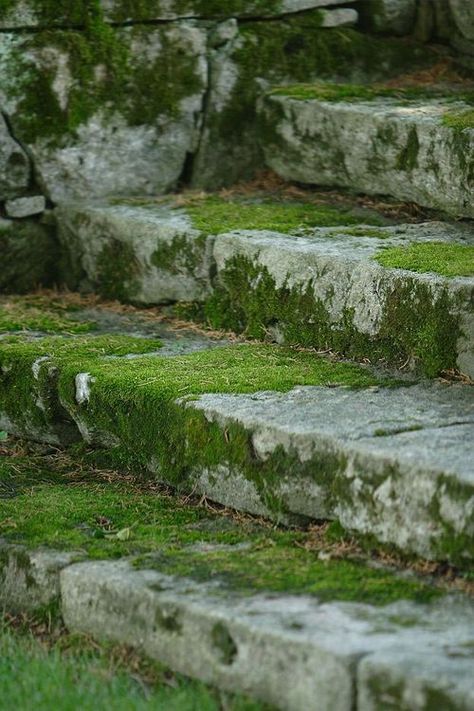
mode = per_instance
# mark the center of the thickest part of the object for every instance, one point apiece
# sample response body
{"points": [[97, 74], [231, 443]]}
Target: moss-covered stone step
{"points": [[242, 425], [399, 143], [277, 270], [209, 594]]}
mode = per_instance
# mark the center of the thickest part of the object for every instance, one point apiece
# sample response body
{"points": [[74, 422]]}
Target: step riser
{"points": [[377, 148]]}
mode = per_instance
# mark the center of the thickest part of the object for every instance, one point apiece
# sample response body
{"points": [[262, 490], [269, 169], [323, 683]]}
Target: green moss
{"points": [[365, 92], [417, 325], [31, 313], [117, 271], [444, 258], [215, 215], [85, 511], [180, 255], [29, 257], [105, 77], [459, 120], [408, 157]]}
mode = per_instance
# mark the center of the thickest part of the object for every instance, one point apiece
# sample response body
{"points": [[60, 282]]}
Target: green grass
{"points": [[215, 215], [89, 677], [449, 260], [63, 503]]}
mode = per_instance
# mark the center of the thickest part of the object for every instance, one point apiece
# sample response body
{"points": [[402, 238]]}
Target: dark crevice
{"points": [[185, 178]]}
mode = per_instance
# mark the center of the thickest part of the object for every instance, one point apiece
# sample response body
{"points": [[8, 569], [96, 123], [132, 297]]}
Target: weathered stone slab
{"points": [[383, 146], [29, 579], [394, 463], [29, 256], [14, 164], [288, 651], [29, 13], [25, 206], [110, 112], [325, 289], [146, 254], [390, 15]]}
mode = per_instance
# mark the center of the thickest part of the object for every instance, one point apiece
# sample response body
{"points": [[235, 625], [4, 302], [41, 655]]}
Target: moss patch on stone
{"points": [[443, 258], [215, 215], [459, 120], [29, 255], [416, 324], [322, 91], [80, 509]]}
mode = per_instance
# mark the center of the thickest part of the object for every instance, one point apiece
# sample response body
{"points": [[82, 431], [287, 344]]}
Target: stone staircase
{"points": [[300, 355]]}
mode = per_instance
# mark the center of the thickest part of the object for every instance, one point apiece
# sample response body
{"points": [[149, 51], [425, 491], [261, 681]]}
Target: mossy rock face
{"points": [[14, 164], [29, 256], [105, 110], [419, 149]]}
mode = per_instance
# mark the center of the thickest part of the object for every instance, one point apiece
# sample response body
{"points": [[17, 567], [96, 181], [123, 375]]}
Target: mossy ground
{"points": [[459, 120], [449, 260], [63, 502], [40, 313], [215, 215], [66, 671]]}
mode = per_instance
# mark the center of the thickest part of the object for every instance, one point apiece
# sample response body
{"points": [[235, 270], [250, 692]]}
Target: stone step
{"points": [[293, 651], [400, 293], [389, 142], [260, 428]]}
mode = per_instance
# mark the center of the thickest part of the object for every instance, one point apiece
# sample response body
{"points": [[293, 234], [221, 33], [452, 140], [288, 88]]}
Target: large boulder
{"points": [[106, 110]]}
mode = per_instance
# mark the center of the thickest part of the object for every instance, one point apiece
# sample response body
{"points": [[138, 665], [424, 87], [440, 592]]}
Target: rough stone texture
{"points": [[147, 254], [85, 142], [419, 682], [463, 13], [387, 16], [29, 579], [288, 651], [26, 13], [339, 272], [29, 255], [377, 147], [14, 164], [394, 463], [339, 18], [25, 206]]}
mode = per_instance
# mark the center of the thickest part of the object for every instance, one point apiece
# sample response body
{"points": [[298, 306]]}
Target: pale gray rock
{"points": [[109, 153], [25, 206], [28, 13], [287, 651], [14, 164], [338, 269], [165, 258], [400, 459], [378, 147], [339, 18], [29, 579]]}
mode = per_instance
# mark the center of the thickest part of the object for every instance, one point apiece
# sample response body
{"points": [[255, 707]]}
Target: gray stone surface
{"points": [[117, 148], [166, 259], [14, 164], [400, 460], [339, 270], [29, 579], [288, 651], [390, 16], [343, 17], [378, 147], [463, 13], [419, 682], [25, 206], [28, 13]]}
